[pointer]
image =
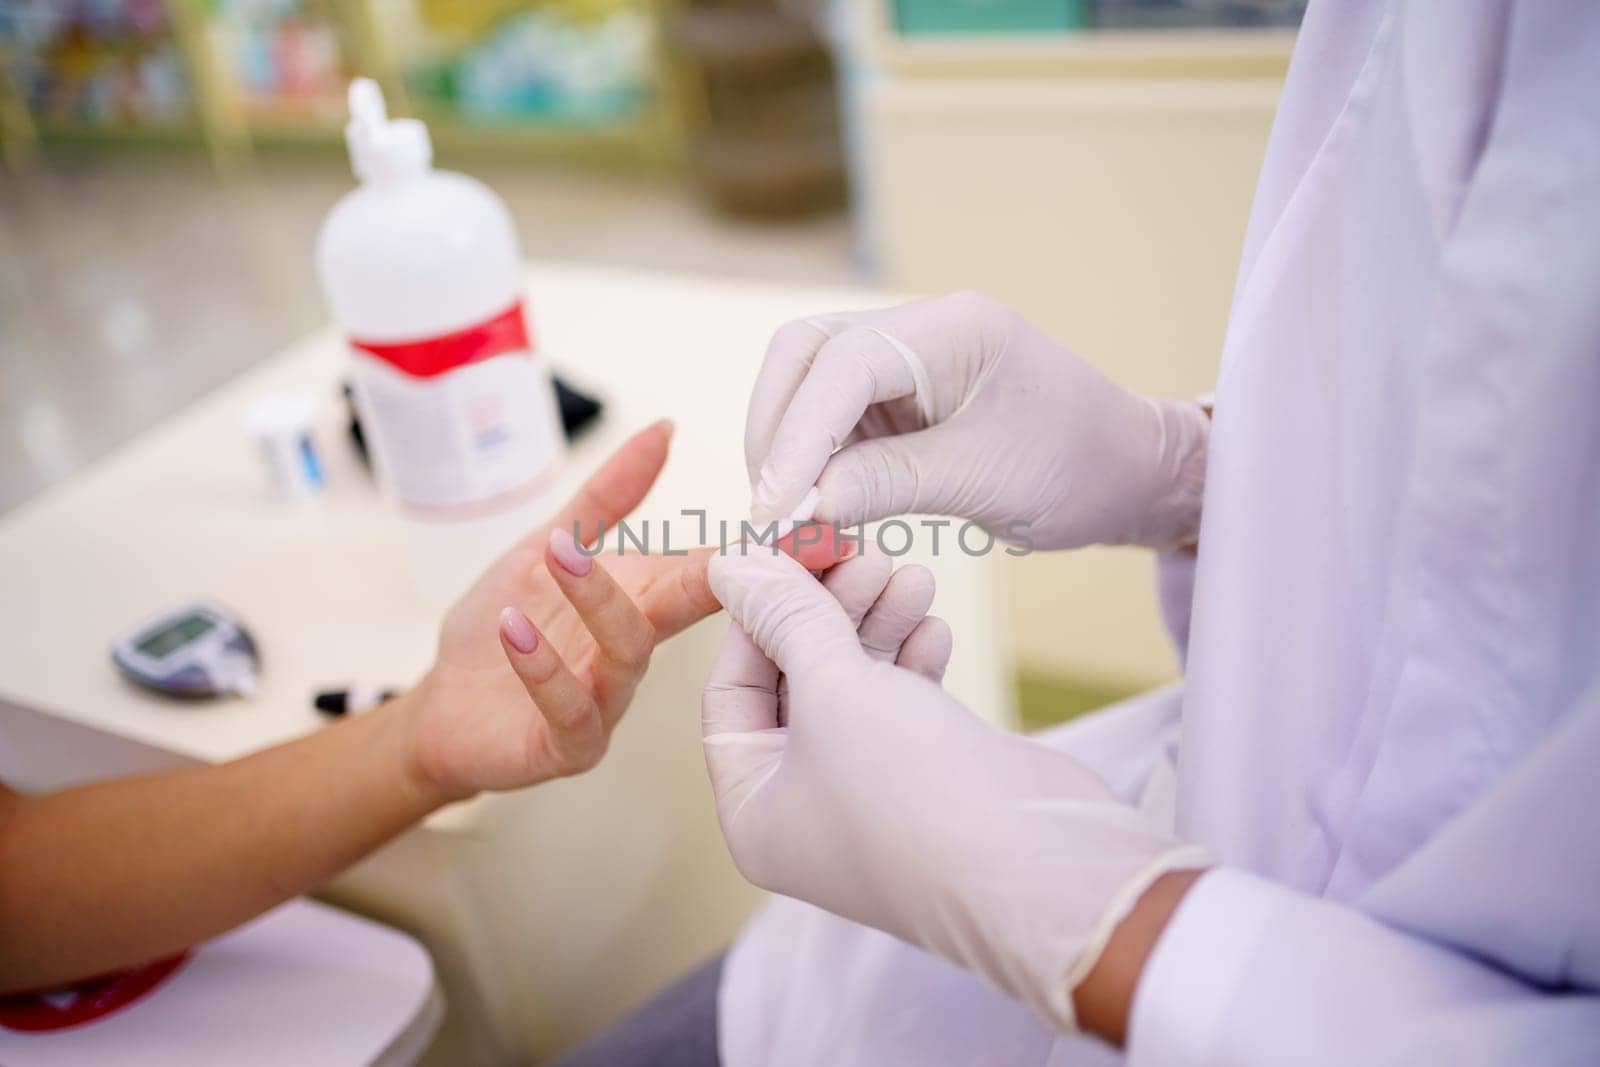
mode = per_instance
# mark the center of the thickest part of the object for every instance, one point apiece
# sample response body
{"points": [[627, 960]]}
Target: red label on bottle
{"points": [[432, 356]]}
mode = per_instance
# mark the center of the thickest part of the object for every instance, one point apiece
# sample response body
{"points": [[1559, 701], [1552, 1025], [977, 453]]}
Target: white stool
{"points": [[305, 984]]}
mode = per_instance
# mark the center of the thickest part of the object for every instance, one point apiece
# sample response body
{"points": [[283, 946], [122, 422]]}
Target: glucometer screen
{"points": [[171, 638]]}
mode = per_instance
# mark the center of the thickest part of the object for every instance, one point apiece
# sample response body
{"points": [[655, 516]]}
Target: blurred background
{"points": [[168, 163], [167, 167]]}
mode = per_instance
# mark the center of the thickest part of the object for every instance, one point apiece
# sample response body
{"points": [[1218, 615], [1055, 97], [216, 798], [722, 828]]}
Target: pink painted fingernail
{"points": [[565, 550], [518, 630]]}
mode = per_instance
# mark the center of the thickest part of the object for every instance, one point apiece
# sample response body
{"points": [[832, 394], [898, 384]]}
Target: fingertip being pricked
{"points": [[817, 546]]}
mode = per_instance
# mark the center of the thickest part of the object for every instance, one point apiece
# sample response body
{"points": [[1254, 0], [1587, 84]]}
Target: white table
{"points": [[548, 912]]}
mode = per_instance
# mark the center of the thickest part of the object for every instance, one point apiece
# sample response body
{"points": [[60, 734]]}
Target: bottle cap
{"points": [[381, 147]]}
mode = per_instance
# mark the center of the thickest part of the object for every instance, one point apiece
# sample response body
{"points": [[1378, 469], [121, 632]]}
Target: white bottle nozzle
{"points": [[381, 147], [367, 109]]}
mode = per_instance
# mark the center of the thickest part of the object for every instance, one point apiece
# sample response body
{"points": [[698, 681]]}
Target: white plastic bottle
{"points": [[422, 271]]}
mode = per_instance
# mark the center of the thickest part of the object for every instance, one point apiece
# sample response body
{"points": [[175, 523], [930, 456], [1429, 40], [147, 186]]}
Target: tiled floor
{"points": [[132, 282]]}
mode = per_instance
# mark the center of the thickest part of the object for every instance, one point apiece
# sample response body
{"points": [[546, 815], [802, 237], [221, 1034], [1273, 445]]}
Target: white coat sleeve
{"points": [[1175, 593], [1482, 948]]}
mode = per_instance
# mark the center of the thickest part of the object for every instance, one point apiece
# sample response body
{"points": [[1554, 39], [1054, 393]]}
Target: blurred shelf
{"points": [[583, 80], [295, 119], [647, 141], [267, 130], [228, 56], [1157, 53], [1115, 54], [85, 131]]}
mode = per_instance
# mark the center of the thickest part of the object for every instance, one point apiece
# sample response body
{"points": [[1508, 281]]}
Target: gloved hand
{"points": [[957, 406], [849, 781]]}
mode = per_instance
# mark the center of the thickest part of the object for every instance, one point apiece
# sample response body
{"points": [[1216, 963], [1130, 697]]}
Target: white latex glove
{"points": [[957, 406], [860, 786]]}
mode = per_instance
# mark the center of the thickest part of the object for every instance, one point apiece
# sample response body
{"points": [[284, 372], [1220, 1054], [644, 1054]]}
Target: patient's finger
{"points": [[680, 595], [576, 730], [622, 635], [899, 608], [927, 650], [618, 486], [818, 546]]}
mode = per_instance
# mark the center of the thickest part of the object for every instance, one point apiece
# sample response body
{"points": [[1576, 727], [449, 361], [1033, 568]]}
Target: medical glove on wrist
{"points": [[862, 787], [958, 406]]}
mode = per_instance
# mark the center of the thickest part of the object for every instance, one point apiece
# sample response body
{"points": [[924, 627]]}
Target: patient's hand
{"points": [[111, 874], [541, 701]]}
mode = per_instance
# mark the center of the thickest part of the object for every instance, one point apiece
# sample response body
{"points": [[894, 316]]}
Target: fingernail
{"points": [[518, 630], [565, 550], [669, 425]]}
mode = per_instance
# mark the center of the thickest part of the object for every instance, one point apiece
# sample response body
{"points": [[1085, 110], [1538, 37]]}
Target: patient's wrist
{"points": [[417, 774]]}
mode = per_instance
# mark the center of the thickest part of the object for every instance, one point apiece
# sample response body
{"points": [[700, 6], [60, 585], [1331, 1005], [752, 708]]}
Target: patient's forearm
{"points": [[106, 876]]}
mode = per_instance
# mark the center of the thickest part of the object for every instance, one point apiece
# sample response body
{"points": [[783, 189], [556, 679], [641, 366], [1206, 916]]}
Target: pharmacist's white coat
{"points": [[1390, 721]]}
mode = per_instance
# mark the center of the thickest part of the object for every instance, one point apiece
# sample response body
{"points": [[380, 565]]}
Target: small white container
{"points": [[422, 271], [281, 426]]}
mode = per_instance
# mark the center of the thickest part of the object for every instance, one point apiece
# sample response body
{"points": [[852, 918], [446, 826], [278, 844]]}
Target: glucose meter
{"points": [[195, 650]]}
